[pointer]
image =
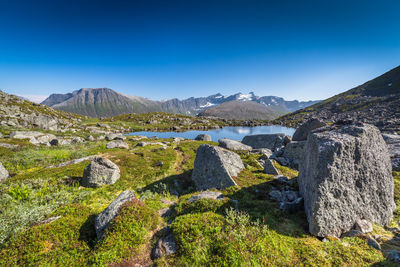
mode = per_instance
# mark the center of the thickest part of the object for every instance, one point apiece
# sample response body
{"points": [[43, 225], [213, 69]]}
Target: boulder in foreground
{"points": [[102, 221], [214, 167], [100, 171], [346, 176], [233, 145]]}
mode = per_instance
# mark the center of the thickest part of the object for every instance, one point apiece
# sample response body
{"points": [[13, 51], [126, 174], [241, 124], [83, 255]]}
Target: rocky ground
{"points": [[136, 203]]}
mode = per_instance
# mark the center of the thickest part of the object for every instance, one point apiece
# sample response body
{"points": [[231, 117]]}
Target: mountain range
{"points": [[105, 102]]}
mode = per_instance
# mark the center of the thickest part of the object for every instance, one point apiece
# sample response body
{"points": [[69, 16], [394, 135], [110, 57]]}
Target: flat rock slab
{"points": [[117, 144], [206, 194], [74, 161], [110, 137], [102, 221], [346, 175], [270, 141], [214, 167], [100, 171], [233, 145]]}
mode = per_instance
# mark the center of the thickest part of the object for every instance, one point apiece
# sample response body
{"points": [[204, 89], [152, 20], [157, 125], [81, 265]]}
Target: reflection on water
{"points": [[235, 133]]}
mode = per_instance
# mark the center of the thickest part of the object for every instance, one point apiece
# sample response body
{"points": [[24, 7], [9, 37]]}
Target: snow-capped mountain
{"points": [[103, 102]]}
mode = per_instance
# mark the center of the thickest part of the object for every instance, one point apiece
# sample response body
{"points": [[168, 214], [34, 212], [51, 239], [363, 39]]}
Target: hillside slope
{"points": [[242, 111], [17, 112], [376, 101]]}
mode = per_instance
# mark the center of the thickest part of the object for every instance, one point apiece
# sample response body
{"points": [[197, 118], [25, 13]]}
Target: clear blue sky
{"points": [[165, 49]]}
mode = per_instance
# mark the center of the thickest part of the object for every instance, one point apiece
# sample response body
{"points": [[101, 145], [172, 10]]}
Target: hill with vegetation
{"points": [[376, 102]]}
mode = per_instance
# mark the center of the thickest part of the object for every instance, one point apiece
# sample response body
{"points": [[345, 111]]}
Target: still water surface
{"points": [[234, 133]]}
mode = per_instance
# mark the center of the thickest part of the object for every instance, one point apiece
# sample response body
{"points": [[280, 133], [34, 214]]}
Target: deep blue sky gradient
{"points": [[165, 49]]}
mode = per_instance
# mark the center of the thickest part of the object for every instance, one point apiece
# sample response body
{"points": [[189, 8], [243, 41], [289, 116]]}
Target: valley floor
{"points": [[207, 232]]}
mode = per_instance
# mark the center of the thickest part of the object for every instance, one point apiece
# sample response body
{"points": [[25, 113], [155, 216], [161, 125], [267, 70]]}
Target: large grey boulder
{"points": [[393, 143], [203, 137], [302, 132], [270, 141], [3, 173], [117, 144], [100, 171], [346, 176], [102, 221], [214, 167], [233, 145]]}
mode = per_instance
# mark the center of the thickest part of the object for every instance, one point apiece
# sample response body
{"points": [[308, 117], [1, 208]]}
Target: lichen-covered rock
{"points": [[100, 171], [302, 132], [346, 176], [3, 173], [363, 226], [117, 144], [270, 141], [214, 167], [203, 137], [233, 145], [103, 220]]}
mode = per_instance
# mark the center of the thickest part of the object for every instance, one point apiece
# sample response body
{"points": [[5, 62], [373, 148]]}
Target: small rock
{"points": [[363, 226], [275, 195], [394, 256], [269, 167], [49, 220], [352, 233], [117, 144], [165, 212], [372, 243], [203, 137], [3, 173], [110, 137], [165, 246], [90, 138], [206, 194], [54, 142]]}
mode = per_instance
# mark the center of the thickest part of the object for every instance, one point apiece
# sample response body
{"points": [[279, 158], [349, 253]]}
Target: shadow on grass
{"points": [[178, 184], [255, 201], [87, 232]]}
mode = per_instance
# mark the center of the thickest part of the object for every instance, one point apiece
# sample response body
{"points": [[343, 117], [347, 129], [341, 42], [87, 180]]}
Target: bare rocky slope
{"points": [[376, 102], [104, 102]]}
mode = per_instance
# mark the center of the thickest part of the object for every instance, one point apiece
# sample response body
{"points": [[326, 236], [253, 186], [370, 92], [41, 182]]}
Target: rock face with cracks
{"points": [[346, 176], [214, 167]]}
